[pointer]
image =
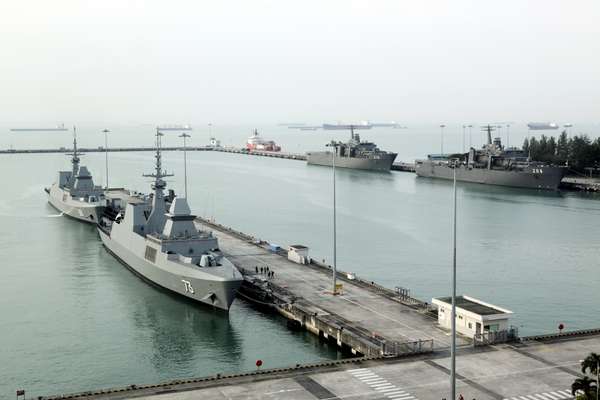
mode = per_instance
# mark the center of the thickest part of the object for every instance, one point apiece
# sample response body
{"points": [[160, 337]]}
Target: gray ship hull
{"points": [[80, 210], [185, 281], [534, 177], [382, 163]]}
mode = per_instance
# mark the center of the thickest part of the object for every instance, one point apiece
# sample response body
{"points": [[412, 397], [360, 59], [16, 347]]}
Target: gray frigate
{"points": [[494, 165], [161, 243], [354, 154], [75, 194]]}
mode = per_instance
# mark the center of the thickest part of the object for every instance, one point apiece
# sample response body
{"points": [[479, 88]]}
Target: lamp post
{"points": [[334, 146], [442, 126], [106, 131], [185, 136], [567, 126], [470, 136], [453, 314], [507, 135], [463, 137]]}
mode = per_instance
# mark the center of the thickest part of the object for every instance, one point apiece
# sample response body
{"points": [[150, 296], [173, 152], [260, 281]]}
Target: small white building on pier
{"points": [[298, 254], [472, 316]]}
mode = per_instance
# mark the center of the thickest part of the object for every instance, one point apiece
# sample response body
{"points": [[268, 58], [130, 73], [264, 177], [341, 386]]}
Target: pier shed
{"points": [[298, 254], [473, 317]]}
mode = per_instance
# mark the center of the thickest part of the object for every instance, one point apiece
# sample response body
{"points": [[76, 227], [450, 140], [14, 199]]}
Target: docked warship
{"points": [[75, 194], [493, 165], [354, 154], [160, 242]]}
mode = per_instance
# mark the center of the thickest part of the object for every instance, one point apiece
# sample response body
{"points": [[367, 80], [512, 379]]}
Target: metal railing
{"points": [[494, 337]]}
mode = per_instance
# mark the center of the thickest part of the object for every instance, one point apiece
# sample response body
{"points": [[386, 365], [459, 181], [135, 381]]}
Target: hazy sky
{"points": [[120, 61]]}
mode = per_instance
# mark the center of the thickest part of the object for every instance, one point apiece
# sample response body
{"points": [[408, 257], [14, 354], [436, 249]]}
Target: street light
{"points": [[464, 126], [106, 131], [335, 146], [185, 136], [507, 135], [470, 136], [442, 126], [453, 315]]}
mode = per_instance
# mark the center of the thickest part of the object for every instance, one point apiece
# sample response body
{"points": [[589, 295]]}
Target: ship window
{"points": [[150, 254]]}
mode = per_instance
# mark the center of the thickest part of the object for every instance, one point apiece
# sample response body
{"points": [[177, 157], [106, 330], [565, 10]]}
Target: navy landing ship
{"points": [[354, 154], [493, 165], [75, 194], [165, 247]]}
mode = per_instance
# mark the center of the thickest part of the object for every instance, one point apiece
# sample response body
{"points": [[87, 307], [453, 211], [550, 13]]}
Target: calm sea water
{"points": [[73, 318]]}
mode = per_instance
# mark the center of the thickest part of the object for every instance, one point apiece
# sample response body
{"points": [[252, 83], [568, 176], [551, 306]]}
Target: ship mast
{"points": [[157, 218], [488, 128], [74, 160]]}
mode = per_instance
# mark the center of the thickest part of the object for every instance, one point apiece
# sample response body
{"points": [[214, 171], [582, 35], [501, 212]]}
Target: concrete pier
{"points": [[365, 318], [404, 355]]}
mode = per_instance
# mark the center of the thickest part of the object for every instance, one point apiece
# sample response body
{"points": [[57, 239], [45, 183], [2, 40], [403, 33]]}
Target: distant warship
{"points": [[493, 165], [163, 245], [354, 154], [75, 194]]}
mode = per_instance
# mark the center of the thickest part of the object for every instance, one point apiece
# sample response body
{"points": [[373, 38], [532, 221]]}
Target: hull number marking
{"points": [[188, 286]]}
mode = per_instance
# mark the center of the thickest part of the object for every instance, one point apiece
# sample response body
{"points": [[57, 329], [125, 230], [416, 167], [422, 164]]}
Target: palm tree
{"points": [[591, 362], [585, 386]]}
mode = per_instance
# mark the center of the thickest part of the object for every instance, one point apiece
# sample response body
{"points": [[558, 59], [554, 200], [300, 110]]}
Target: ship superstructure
{"points": [[161, 243], [75, 193], [354, 154], [256, 142], [493, 165]]}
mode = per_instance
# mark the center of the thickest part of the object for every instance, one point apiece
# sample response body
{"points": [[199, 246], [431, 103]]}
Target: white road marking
{"points": [[359, 371], [381, 384], [398, 396], [369, 378], [397, 392], [393, 389], [552, 395]]}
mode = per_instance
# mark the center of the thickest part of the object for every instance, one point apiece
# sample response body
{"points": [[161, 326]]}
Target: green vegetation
{"points": [[579, 151], [585, 388]]}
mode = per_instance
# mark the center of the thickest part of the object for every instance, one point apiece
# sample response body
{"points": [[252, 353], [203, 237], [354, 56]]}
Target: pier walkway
{"points": [[374, 314]]}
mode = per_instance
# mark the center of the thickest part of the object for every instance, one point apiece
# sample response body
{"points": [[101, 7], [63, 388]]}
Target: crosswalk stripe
{"points": [[362, 371], [375, 380], [560, 395], [554, 395], [367, 377], [566, 392], [356, 369], [523, 398], [381, 384], [364, 374], [551, 396], [386, 390], [400, 397], [398, 392], [388, 387]]}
